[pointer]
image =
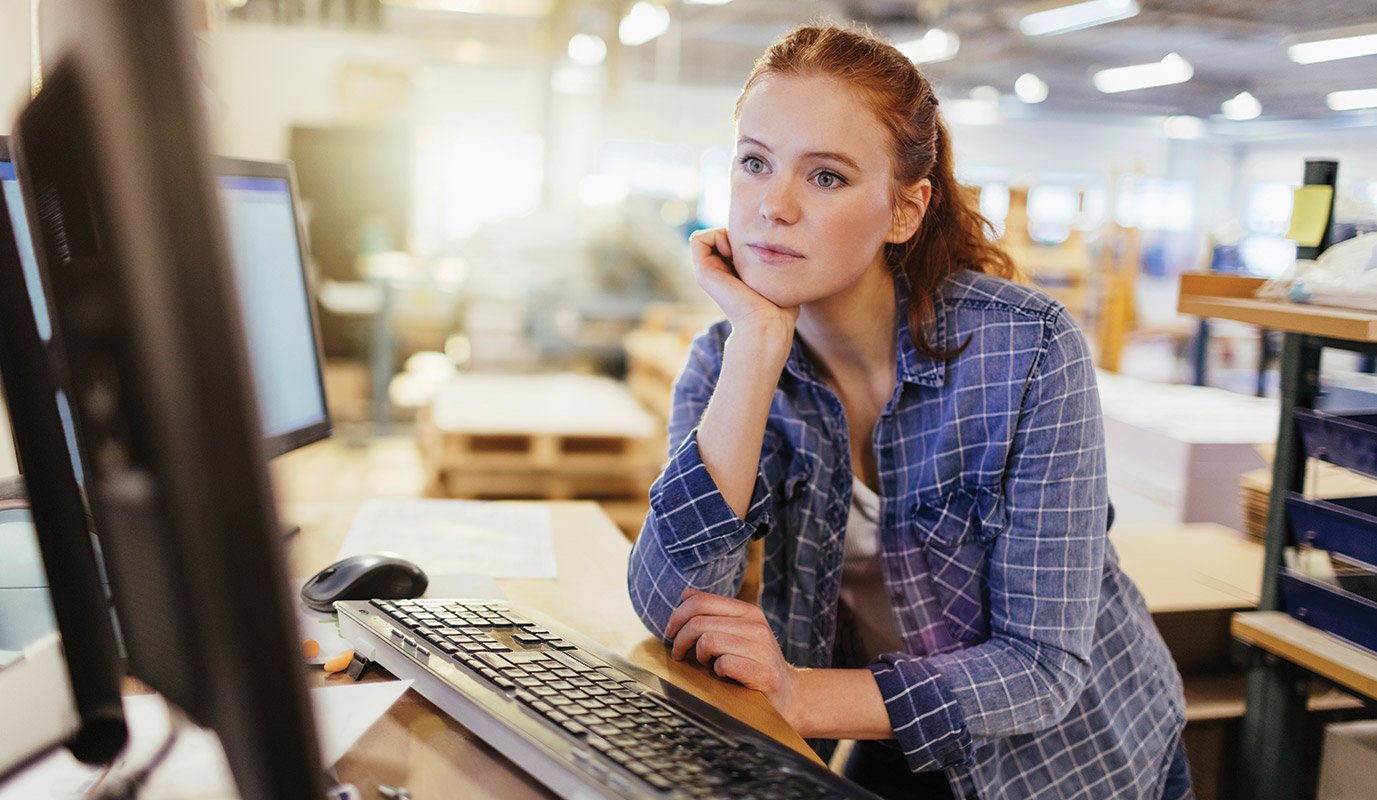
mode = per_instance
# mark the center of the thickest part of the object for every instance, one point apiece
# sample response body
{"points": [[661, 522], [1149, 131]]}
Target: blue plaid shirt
{"points": [[1031, 666]]}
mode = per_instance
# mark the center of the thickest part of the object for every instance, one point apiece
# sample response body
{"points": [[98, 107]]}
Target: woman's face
{"points": [[812, 190]]}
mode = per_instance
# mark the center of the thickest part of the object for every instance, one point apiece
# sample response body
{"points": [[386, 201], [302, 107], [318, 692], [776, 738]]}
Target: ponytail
{"points": [[953, 236]]}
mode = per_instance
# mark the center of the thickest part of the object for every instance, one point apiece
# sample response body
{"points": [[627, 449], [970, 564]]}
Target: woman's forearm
{"points": [[733, 425], [836, 704]]}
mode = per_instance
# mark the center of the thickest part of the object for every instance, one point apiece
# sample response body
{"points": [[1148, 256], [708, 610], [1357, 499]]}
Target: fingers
{"points": [[698, 627], [694, 603], [711, 244]]}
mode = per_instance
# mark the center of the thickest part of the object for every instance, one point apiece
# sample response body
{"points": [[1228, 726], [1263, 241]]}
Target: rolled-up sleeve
{"points": [[691, 537], [1044, 579]]}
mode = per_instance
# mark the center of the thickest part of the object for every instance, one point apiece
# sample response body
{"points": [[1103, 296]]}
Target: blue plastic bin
{"points": [[1343, 525], [1348, 440], [1349, 613]]}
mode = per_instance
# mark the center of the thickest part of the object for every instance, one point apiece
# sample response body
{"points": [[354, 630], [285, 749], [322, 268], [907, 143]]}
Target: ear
{"points": [[909, 211]]}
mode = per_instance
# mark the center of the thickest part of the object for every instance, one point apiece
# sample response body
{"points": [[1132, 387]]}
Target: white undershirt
{"points": [[863, 589]]}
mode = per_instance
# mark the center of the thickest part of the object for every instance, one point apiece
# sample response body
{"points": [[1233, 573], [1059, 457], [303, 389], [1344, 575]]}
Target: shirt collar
{"points": [[912, 366]]}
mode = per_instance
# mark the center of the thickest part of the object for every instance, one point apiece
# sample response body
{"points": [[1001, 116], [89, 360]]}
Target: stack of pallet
{"points": [[549, 437], [657, 351]]}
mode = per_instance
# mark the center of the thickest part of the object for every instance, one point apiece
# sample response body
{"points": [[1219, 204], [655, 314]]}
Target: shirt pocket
{"points": [[956, 532]]}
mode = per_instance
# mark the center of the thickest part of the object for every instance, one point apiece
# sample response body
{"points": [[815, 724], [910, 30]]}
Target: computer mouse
{"points": [[364, 577]]}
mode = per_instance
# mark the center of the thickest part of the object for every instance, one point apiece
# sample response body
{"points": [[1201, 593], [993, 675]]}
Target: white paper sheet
{"points": [[196, 768], [454, 537]]}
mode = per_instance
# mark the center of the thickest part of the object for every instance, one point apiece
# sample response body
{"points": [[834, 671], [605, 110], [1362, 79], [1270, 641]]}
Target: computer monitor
{"points": [[268, 249], [68, 689], [112, 156]]}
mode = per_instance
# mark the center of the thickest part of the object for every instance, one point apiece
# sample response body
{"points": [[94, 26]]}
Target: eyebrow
{"points": [[840, 158]]}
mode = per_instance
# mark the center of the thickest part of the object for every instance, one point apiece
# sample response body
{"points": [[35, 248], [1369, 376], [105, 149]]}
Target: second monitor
{"points": [[268, 250]]}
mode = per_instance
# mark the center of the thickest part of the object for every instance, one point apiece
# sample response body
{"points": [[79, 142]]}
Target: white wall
{"points": [[269, 78], [14, 60], [1284, 160]]}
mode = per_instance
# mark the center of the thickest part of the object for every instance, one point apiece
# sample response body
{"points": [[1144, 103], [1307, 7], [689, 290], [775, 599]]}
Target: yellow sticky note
{"points": [[1309, 215]]}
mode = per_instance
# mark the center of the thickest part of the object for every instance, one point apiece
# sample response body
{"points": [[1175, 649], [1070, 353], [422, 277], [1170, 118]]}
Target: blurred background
{"points": [[506, 187], [498, 195]]}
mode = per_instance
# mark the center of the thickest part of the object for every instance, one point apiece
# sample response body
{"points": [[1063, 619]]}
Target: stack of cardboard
{"points": [[1321, 480]]}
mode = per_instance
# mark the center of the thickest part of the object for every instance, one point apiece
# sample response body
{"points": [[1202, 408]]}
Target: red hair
{"points": [[952, 236]]}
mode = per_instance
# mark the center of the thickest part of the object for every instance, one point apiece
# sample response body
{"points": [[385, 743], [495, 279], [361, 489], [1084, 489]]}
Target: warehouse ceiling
{"points": [[1233, 45]]}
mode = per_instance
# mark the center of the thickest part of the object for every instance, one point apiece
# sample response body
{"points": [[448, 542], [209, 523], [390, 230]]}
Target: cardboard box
{"points": [[1350, 751]]}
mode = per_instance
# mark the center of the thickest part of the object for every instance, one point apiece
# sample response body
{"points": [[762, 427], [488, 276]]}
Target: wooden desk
{"points": [[418, 746]]}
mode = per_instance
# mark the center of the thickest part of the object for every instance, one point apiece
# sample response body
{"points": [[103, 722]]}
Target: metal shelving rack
{"points": [[1285, 652]]}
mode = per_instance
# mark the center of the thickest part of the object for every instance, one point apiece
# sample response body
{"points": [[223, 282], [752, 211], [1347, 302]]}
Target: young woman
{"points": [[917, 440]]}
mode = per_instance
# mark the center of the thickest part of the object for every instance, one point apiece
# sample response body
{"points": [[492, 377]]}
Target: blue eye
{"points": [[752, 164], [828, 180]]}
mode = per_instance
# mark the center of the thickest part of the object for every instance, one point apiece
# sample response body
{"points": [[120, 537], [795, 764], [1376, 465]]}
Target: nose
{"points": [[778, 204]]}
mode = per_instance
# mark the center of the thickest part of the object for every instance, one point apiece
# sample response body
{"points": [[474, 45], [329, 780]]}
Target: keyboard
{"points": [[580, 719]]}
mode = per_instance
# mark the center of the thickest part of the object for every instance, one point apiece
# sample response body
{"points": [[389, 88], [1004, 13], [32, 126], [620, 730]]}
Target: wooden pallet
{"points": [[506, 452], [538, 485], [573, 424], [657, 351]]}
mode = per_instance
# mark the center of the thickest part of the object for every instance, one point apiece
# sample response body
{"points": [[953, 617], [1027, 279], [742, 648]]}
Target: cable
{"points": [[126, 786]]}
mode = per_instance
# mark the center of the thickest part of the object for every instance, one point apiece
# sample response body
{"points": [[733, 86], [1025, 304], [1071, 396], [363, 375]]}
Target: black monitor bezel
{"points": [[113, 151], [226, 166], [80, 606]]}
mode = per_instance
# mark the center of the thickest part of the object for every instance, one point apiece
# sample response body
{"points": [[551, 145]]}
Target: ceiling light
{"points": [[970, 112], [1171, 69], [1242, 106], [1351, 99], [1183, 127], [587, 49], [985, 93], [1076, 16], [936, 45], [642, 23], [1030, 88], [1332, 45]]}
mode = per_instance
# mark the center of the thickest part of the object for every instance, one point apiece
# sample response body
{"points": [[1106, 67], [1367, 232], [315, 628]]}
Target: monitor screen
{"points": [[269, 256], [38, 301]]}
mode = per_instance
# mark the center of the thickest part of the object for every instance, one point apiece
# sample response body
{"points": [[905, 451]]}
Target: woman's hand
{"points": [[745, 308], [732, 638]]}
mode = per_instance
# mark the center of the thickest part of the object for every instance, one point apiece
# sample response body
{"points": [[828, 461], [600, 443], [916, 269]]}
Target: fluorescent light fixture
{"points": [[1170, 70], [587, 49], [1030, 88], [936, 45], [1351, 99], [1076, 16], [1332, 45], [642, 23], [1242, 106]]}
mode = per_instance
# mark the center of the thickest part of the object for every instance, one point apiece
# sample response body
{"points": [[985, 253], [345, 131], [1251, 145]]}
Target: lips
{"points": [[773, 253]]}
